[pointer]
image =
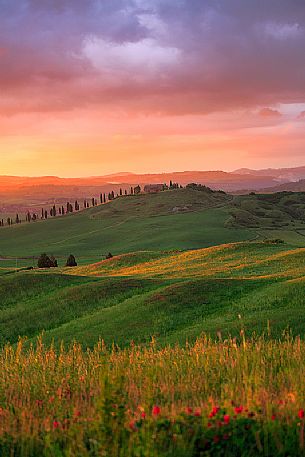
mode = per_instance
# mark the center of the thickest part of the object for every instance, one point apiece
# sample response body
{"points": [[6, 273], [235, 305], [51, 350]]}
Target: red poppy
{"points": [[216, 439], [301, 413], [188, 410], [226, 419], [156, 410], [133, 426], [143, 414], [55, 424], [215, 409], [238, 409], [273, 417], [197, 413]]}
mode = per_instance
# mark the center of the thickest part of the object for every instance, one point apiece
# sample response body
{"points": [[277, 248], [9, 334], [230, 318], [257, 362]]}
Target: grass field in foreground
{"points": [[207, 399]]}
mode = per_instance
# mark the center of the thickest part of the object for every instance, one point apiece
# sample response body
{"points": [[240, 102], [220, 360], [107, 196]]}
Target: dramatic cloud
{"points": [[139, 82], [186, 56]]}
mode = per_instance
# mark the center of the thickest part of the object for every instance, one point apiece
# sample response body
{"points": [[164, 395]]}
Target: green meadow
{"points": [[186, 262], [187, 342]]}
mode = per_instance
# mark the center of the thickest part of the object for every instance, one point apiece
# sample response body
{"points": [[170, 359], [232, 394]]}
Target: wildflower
{"points": [[197, 412], [215, 409], [301, 414], [273, 417], [216, 439], [188, 410], [39, 403], [156, 410], [55, 424], [143, 414], [133, 426], [238, 409], [209, 425], [226, 419]]}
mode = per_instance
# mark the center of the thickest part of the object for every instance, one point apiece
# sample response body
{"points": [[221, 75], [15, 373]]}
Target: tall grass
{"points": [[209, 398]]}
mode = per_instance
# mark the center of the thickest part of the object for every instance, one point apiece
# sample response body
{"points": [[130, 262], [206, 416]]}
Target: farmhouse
{"points": [[151, 188]]}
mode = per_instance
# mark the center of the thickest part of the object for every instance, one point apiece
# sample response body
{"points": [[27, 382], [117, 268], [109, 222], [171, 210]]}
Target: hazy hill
{"points": [[281, 174]]}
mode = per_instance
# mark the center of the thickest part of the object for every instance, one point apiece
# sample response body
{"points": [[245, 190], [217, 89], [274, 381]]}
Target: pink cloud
{"points": [[269, 113]]}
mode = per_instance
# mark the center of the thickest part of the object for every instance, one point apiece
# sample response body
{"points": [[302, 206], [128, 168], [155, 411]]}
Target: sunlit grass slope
{"points": [[174, 296], [236, 260]]}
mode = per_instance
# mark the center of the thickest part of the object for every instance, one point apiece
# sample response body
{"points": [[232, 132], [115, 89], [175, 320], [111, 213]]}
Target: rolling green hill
{"points": [[181, 267], [178, 219], [173, 296]]}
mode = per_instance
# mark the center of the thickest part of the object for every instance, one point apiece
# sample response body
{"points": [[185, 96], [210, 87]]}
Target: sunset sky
{"points": [[89, 87]]}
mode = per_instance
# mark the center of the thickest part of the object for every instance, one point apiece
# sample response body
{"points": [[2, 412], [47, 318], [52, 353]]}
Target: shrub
{"points": [[54, 262], [44, 261], [71, 262]]}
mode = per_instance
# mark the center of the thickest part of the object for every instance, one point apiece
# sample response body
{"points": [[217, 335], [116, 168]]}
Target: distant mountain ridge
{"points": [[282, 174], [215, 179]]}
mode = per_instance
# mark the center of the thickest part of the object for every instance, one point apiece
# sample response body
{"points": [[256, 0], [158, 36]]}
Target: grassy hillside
{"points": [[171, 295], [157, 284], [180, 219]]}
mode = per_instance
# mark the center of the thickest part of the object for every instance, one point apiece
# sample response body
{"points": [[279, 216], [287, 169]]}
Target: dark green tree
{"points": [[71, 262], [54, 263], [44, 261]]}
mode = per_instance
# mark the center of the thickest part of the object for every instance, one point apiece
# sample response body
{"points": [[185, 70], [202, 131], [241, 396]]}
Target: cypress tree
{"points": [[71, 262]]}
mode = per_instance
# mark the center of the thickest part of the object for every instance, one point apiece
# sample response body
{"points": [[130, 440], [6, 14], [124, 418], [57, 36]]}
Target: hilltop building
{"points": [[152, 188]]}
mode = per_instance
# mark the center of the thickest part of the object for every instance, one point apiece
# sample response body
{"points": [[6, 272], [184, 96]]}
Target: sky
{"points": [[90, 87]]}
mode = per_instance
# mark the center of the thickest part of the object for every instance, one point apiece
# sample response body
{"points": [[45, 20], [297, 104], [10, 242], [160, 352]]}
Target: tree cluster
{"points": [[46, 261]]}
